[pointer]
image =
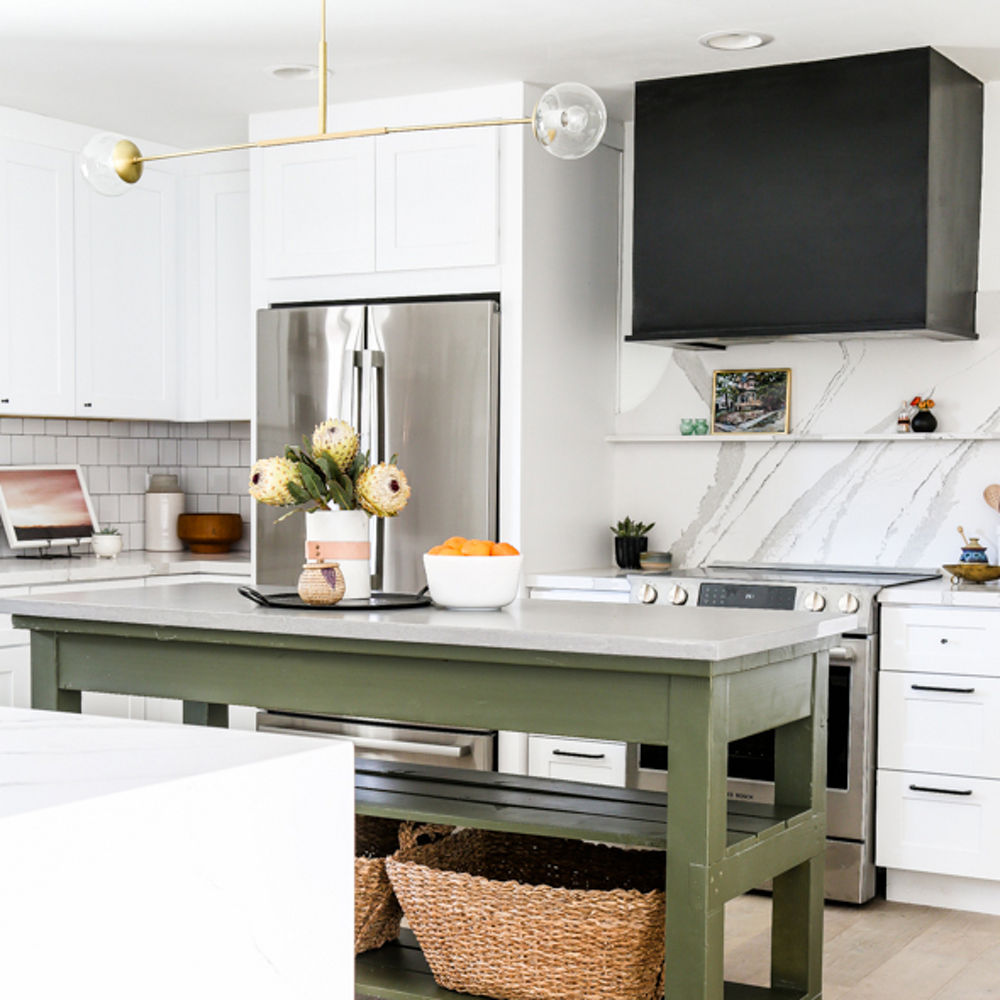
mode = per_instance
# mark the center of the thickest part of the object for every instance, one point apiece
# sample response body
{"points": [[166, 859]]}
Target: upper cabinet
{"points": [[126, 300], [401, 202], [319, 208], [36, 280]]}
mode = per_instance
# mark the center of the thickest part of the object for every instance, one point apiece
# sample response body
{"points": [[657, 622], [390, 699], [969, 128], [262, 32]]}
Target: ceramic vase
{"points": [[923, 422], [341, 536], [628, 549]]}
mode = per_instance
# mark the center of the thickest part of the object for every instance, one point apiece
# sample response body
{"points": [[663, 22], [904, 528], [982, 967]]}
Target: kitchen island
{"points": [[693, 680]]}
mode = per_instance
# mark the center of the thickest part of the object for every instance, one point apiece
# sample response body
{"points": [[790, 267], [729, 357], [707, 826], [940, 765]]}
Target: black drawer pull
{"points": [[941, 791], [931, 687], [944, 642], [572, 753]]}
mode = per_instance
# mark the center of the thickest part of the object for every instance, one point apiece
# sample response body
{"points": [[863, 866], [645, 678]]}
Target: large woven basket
{"points": [[535, 918]]}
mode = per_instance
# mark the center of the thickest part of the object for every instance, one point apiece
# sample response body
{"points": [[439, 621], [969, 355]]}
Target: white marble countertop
{"points": [[27, 572], [941, 593], [601, 578], [161, 861], [560, 626]]}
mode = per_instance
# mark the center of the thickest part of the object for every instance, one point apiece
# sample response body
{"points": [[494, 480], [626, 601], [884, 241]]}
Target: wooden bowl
{"points": [[209, 533], [973, 572]]}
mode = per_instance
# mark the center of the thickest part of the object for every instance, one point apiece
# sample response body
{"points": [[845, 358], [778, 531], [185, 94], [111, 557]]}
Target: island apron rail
{"points": [[694, 706]]}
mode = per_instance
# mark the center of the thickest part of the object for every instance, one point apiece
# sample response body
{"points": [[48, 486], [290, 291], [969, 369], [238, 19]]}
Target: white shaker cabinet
{"points": [[126, 300], [319, 208], [938, 780], [437, 199], [36, 280]]}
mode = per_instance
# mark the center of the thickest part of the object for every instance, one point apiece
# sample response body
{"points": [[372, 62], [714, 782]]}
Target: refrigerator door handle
{"points": [[371, 428]]}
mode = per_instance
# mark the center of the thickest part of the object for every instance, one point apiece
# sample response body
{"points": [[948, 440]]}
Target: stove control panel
{"points": [[746, 595]]}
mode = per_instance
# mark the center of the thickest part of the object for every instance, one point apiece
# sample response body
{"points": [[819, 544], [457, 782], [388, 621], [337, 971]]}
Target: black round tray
{"points": [[377, 602]]}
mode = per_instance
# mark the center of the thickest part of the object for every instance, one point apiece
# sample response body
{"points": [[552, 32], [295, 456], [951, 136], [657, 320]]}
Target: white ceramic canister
{"points": [[164, 504], [342, 536]]}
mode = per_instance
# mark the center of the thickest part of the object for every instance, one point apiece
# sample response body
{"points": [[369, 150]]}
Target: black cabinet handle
{"points": [[941, 791], [931, 687], [571, 753], [88, 404], [4, 400], [944, 642]]}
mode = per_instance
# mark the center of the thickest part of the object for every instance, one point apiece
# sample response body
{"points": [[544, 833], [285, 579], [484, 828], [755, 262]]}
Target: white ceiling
{"points": [[188, 72]]}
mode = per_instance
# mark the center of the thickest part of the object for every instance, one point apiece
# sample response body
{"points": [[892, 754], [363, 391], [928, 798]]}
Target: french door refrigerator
{"points": [[418, 378]]}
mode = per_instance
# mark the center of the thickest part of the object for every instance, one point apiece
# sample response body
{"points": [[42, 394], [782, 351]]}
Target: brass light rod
{"points": [[330, 136]]}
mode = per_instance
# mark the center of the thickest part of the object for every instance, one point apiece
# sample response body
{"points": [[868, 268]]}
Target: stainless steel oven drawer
{"points": [[383, 740]]}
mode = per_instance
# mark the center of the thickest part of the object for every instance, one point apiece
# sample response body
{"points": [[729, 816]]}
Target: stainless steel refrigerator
{"points": [[417, 378]]}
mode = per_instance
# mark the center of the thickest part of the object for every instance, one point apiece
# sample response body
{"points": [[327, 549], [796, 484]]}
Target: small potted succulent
{"points": [[106, 543], [630, 541]]}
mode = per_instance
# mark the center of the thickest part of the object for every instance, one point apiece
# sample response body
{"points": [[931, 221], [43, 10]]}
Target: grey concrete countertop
{"points": [[32, 572], [558, 626]]}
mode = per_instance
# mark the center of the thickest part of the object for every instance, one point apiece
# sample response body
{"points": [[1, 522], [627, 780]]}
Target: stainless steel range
{"points": [[850, 865]]}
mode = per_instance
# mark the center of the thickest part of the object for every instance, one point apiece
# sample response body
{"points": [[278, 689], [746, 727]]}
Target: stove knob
{"points": [[849, 604], [814, 602], [678, 595], [648, 594]]}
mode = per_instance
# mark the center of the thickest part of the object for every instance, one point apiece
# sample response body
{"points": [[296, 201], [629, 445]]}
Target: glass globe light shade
{"points": [[107, 163], [569, 120]]}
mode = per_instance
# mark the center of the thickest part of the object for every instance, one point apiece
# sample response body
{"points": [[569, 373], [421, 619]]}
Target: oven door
{"points": [[850, 748], [378, 739]]}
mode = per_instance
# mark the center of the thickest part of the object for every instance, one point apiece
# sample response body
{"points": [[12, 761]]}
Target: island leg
{"points": [[45, 691], [797, 906], [206, 713], [696, 837]]}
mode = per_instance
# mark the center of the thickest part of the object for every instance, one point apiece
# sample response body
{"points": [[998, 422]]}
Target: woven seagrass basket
{"points": [[535, 918]]}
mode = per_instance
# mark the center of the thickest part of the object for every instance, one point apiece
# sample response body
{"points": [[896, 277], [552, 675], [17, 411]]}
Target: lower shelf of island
{"points": [[762, 841]]}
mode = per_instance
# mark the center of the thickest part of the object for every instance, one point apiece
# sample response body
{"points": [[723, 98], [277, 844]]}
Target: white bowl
{"points": [[472, 581]]}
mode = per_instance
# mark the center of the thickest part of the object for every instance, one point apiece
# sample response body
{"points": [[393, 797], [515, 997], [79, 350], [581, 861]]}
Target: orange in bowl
{"points": [[475, 580]]}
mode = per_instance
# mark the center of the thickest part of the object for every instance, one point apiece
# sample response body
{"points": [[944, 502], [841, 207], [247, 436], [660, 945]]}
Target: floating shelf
{"points": [[791, 438]]}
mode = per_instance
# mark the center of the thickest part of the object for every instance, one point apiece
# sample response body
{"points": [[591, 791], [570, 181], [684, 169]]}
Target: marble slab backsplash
{"points": [[872, 503], [117, 457]]}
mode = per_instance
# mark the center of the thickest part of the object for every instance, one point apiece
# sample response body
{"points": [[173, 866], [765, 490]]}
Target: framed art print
{"points": [[753, 401]]}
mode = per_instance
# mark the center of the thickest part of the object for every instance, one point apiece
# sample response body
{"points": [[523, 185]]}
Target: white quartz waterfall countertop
{"points": [[943, 593], [692, 633], [145, 859]]}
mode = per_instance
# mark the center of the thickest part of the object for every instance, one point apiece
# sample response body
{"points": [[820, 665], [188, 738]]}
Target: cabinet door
{"points": [[15, 676], [319, 208], [225, 316], [437, 199], [601, 762], [36, 280], [940, 640], [126, 291]]}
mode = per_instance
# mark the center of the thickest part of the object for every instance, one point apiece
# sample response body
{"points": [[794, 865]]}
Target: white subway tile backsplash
{"points": [[45, 451], [66, 451], [22, 450], [86, 451], [208, 453], [211, 461]]}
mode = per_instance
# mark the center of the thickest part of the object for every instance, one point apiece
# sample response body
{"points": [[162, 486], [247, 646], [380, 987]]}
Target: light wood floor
{"points": [[880, 950]]}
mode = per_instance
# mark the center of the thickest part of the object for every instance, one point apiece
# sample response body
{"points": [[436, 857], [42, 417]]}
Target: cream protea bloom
{"points": [[336, 439], [269, 479], [382, 490]]}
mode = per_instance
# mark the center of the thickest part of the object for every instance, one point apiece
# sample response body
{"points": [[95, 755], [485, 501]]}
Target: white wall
{"points": [[865, 503]]}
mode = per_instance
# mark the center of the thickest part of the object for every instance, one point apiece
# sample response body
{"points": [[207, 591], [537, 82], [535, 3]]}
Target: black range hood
{"points": [[834, 199]]}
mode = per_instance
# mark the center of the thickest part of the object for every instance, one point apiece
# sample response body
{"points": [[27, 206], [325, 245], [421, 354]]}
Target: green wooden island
{"points": [[690, 678]]}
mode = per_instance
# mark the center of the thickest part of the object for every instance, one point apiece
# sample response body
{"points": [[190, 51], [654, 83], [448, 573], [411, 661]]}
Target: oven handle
{"points": [[369, 743], [841, 654]]}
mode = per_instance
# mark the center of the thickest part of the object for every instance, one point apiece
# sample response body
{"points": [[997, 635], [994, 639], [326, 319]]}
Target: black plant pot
{"points": [[627, 550], [923, 422]]}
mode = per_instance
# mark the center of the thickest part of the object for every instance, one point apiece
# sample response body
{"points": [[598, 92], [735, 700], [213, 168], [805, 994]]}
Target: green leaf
{"points": [[338, 497], [297, 493], [328, 466], [312, 482]]}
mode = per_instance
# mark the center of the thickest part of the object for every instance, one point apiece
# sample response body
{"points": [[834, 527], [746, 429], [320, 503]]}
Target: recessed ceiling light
{"points": [[300, 71], [735, 41]]}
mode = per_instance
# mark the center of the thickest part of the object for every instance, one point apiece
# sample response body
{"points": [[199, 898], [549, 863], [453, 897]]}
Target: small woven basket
{"points": [[535, 918], [376, 910]]}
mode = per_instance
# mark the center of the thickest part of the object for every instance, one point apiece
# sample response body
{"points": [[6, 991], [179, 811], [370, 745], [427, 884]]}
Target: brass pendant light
{"points": [[568, 121]]}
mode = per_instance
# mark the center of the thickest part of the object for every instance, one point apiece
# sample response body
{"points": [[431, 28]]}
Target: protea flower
{"points": [[382, 489], [337, 440], [269, 479]]}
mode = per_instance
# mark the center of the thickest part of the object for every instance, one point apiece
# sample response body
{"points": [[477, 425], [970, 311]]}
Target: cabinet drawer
{"points": [[933, 823], [941, 640], [601, 762], [939, 723]]}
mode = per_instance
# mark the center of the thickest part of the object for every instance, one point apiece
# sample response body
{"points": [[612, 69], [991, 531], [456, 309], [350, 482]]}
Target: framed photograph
{"points": [[43, 506], [751, 402]]}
